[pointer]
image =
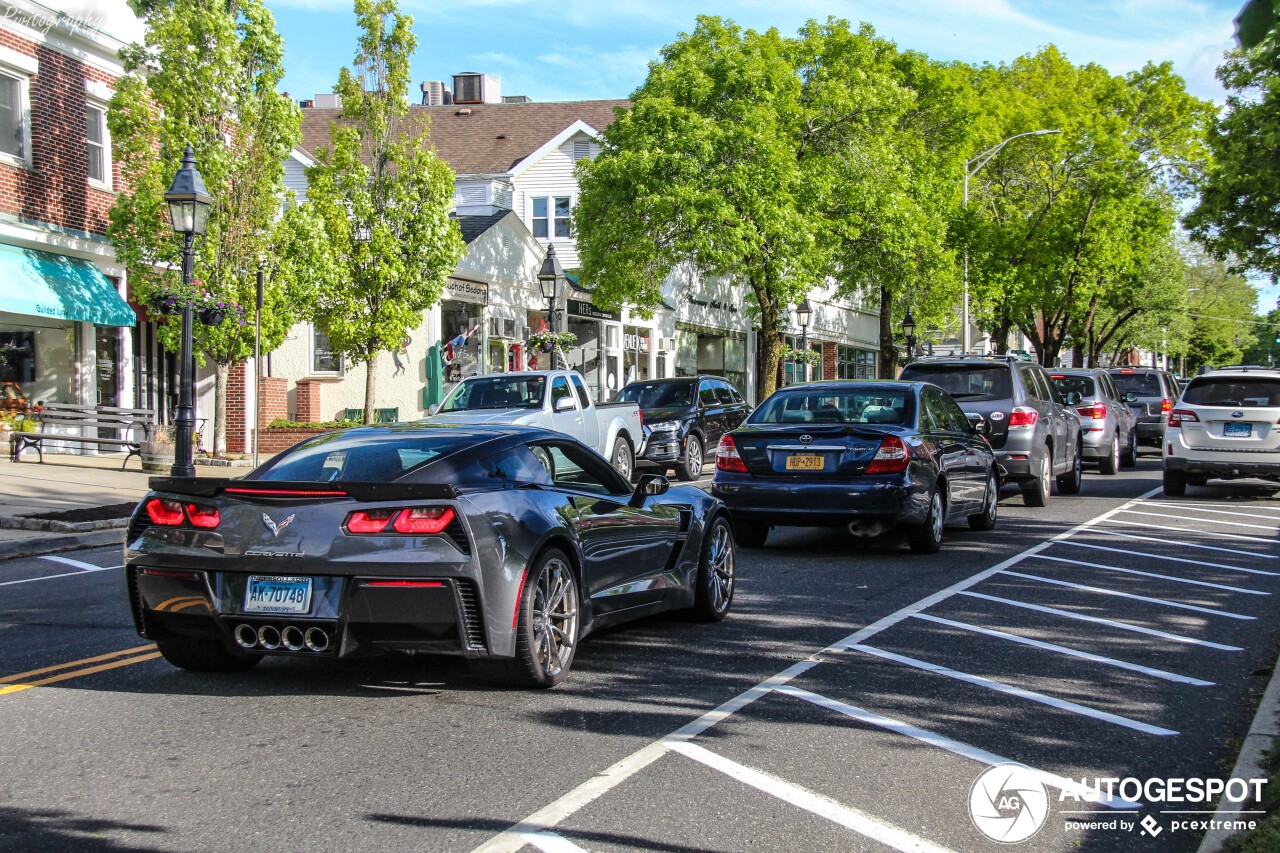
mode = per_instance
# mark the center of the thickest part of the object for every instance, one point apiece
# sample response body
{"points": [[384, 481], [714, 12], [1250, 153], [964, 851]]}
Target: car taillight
{"points": [[727, 458], [423, 520], [1178, 417], [203, 516], [1165, 405], [892, 457], [1023, 418], [1097, 411], [166, 513], [369, 521]]}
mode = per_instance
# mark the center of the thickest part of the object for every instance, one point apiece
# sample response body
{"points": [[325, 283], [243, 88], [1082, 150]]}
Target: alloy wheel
{"points": [[720, 568], [938, 516], [555, 617]]}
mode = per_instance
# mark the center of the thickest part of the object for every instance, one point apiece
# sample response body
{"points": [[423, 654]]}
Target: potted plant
{"points": [[157, 452], [549, 341]]}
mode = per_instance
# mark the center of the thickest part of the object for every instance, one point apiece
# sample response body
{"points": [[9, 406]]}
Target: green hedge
{"points": [[281, 423]]}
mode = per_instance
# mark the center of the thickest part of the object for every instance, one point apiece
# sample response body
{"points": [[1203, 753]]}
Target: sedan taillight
{"points": [[1023, 417], [1165, 406], [892, 457], [1097, 411], [727, 458], [410, 521], [1178, 417]]}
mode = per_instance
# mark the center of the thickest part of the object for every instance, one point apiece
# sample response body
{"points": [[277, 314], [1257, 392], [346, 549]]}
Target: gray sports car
{"points": [[503, 544]]}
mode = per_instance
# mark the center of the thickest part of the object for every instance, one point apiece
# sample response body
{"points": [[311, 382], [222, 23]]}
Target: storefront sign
{"points": [[467, 291], [579, 308]]}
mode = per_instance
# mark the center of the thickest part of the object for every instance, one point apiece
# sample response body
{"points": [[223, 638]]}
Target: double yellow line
{"points": [[76, 668]]}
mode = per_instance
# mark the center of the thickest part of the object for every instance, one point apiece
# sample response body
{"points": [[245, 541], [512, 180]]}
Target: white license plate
{"points": [[1237, 429], [268, 594]]}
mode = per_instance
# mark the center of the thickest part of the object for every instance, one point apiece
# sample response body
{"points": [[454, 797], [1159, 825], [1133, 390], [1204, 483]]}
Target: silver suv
{"points": [[1035, 436], [1110, 427]]}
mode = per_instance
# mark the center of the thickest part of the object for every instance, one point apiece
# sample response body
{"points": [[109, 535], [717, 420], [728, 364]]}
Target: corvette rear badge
{"points": [[276, 528]]}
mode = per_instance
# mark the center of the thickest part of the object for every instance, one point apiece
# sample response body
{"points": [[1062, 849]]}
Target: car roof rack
{"points": [[1244, 368], [955, 356]]}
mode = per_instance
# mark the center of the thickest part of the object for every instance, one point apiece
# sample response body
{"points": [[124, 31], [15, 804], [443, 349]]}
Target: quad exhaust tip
{"points": [[291, 637], [246, 636], [316, 639], [269, 637]]}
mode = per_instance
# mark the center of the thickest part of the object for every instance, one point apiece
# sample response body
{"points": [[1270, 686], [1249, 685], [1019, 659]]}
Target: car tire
{"points": [[926, 538], [206, 656], [716, 572], [690, 467], [1035, 492], [622, 459], [1175, 484], [986, 520], [540, 660], [1111, 463], [1130, 457], [751, 534], [1070, 482]]}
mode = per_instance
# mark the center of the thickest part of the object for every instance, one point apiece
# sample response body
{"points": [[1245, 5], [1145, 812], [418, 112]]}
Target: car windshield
{"points": [[1232, 391], [1080, 385], [866, 404], [658, 395], [496, 392], [361, 457], [965, 381], [1142, 384]]}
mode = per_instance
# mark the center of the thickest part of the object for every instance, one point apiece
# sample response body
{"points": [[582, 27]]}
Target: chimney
{"points": [[308, 104]]}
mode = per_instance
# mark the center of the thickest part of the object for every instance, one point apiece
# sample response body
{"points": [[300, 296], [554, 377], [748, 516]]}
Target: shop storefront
{"points": [[793, 371], [598, 354], [462, 316], [713, 351]]}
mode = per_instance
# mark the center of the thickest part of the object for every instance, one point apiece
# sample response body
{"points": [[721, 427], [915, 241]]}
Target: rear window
{"points": [[1232, 391], [1082, 385], [1142, 384], [965, 381], [866, 405], [361, 457]]}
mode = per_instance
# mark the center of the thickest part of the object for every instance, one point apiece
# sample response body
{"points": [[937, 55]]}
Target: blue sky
{"points": [[582, 49]]}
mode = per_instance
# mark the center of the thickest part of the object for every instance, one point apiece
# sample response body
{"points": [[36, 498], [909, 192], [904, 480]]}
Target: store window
{"points": [[855, 363], [17, 357], [460, 323], [324, 361], [13, 117]]}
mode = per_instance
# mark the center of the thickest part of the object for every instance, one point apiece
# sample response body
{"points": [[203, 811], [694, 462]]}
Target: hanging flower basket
{"points": [[213, 316], [548, 341], [167, 305]]}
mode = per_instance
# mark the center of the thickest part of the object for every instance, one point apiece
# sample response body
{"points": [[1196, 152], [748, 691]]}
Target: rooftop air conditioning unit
{"points": [[471, 87], [495, 327], [328, 101], [509, 329], [667, 344], [434, 93]]}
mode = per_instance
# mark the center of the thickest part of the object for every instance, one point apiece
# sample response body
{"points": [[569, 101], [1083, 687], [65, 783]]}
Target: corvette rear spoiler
{"points": [[208, 487]]}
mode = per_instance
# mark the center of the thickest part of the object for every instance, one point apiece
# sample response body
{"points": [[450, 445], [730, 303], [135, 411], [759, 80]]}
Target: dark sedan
{"points": [[503, 544], [684, 419], [869, 456]]}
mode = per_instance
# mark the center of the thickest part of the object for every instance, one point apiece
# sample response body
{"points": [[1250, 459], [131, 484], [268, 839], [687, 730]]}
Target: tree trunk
{"points": [[222, 373], [769, 341], [888, 367], [370, 385]]}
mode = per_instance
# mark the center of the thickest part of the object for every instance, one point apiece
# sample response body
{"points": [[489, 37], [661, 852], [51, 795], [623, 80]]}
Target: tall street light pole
{"points": [[804, 311], [549, 280], [189, 205], [971, 168]]}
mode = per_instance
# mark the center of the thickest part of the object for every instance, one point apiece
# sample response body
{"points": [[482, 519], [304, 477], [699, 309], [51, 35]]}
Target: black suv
{"points": [[684, 419], [1155, 392], [1034, 434]]}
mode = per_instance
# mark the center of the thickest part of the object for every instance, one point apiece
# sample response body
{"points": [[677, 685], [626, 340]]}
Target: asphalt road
{"points": [[861, 691]]}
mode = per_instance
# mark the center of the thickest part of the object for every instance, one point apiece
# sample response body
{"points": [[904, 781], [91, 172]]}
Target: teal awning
{"points": [[43, 284]]}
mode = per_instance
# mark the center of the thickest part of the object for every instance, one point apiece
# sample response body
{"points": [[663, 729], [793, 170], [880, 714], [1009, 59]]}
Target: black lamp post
{"points": [[189, 205], [804, 312], [909, 329], [549, 280]]}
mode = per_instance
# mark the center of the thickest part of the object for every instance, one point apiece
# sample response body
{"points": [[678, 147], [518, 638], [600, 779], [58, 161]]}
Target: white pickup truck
{"points": [[552, 399]]}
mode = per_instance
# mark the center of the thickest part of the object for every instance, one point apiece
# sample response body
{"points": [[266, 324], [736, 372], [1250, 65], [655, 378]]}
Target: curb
{"points": [[1264, 729], [60, 542]]}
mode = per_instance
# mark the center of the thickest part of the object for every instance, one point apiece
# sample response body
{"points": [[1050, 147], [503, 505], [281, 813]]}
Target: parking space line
{"points": [[1157, 576], [1171, 559], [1098, 620], [79, 564], [551, 842], [960, 748], [1065, 650], [1193, 530], [859, 822], [1021, 693], [1215, 508], [48, 577], [1106, 532], [1207, 520], [1132, 596]]}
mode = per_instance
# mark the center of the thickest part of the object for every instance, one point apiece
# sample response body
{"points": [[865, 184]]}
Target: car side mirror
{"points": [[1130, 396], [564, 404], [649, 486], [1071, 398], [979, 424]]}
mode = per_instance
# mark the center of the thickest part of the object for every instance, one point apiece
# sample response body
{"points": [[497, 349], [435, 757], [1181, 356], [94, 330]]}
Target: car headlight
{"points": [[665, 427]]}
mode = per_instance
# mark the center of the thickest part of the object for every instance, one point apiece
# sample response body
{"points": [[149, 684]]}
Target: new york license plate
{"points": [[805, 462], [268, 594], [1237, 429]]}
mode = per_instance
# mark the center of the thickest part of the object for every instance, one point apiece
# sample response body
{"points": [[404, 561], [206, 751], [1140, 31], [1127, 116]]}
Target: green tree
{"points": [[1266, 346], [1238, 215], [1221, 305], [221, 98], [384, 198]]}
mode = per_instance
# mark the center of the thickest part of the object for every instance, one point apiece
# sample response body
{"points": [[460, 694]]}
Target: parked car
{"points": [[505, 545], [865, 455], [684, 419], [1155, 391], [1110, 428], [1224, 427], [552, 399], [1034, 434]]}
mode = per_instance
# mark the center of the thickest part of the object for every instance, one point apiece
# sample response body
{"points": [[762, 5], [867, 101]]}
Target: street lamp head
{"points": [[1044, 132], [804, 311], [189, 202], [909, 325], [550, 274]]}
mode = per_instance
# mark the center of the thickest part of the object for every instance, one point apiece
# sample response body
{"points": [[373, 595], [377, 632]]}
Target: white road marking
{"points": [[79, 564], [1170, 559], [1193, 530], [1065, 650], [1132, 596], [958, 747], [1217, 507], [550, 842], [80, 573], [1021, 693], [1097, 620], [1183, 544], [1272, 528], [1170, 578], [859, 822]]}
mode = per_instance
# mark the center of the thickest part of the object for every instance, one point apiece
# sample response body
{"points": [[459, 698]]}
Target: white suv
{"points": [[1226, 426]]}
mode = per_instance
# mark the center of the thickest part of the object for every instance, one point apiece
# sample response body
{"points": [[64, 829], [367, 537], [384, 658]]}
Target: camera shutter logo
{"points": [[1008, 803]]}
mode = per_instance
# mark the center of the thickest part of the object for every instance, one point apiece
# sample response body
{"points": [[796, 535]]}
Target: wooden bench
{"points": [[116, 419]]}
